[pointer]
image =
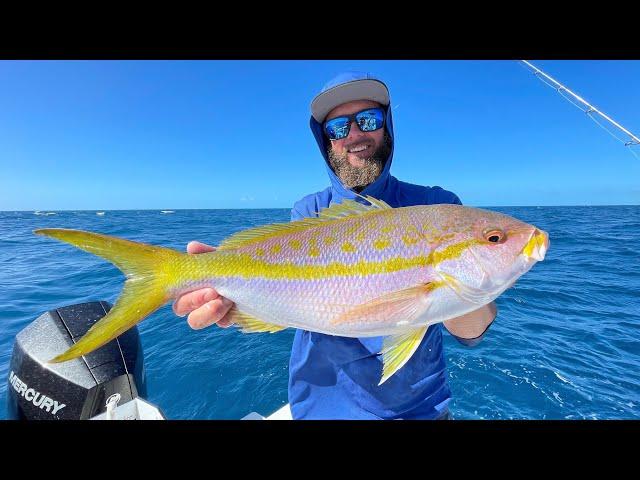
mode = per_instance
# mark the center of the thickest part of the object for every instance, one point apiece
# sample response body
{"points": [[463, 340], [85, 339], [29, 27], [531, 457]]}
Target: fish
{"points": [[354, 270]]}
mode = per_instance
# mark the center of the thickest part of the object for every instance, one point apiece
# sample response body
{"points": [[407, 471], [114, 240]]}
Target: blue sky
{"points": [[234, 134]]}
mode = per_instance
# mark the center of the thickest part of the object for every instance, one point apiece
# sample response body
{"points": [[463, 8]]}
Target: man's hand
{"points": [[472, 324], [205, 306]]}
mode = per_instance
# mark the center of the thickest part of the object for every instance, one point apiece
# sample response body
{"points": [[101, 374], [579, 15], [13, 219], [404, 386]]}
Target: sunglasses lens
{"points": [[367, 120], [337, 128], [370, 120]]}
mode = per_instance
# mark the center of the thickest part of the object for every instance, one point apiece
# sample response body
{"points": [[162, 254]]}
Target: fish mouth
{"points": [[537, 246]]}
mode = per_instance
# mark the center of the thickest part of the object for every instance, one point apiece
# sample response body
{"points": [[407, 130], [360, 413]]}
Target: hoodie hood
{"points": [[382, 184]]}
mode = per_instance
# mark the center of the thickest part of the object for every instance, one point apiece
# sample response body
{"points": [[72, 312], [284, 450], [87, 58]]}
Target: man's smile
{"points": [[361, 149]]}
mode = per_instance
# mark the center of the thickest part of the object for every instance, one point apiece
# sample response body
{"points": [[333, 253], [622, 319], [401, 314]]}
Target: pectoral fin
{"points": [[395, 307], [251, 324], [465, 292], [397, 350]]}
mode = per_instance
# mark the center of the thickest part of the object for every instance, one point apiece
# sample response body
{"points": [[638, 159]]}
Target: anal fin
{"points": [[251, 324]]}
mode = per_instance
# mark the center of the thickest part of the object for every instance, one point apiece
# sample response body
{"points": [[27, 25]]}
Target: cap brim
{"points": [[347, 92]]}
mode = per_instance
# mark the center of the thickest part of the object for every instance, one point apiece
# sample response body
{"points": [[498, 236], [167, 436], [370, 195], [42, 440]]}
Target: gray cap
{"points": [[333, 94]]}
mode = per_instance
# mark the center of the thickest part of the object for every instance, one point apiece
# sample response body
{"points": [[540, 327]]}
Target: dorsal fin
{"points": [[378, 204], [348, 208]]}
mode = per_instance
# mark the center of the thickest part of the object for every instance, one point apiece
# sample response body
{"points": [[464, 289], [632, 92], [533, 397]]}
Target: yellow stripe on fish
{"points": [[243, 265]]}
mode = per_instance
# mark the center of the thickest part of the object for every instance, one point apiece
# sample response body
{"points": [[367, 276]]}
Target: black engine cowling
{"points": [[76, 389]]}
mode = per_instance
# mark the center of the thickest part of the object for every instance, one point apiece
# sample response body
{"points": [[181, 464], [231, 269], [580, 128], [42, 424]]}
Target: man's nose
{"points": [[354, 131]]}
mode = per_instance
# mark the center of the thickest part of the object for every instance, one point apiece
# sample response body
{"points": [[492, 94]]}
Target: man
{"points": [[333, 377]]}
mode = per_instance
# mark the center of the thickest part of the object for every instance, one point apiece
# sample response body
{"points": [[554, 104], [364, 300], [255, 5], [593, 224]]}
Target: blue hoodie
{"points": [[333, 377]]}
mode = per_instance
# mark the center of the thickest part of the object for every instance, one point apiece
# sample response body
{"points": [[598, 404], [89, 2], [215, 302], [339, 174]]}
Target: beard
{"points": [[357, 178]]}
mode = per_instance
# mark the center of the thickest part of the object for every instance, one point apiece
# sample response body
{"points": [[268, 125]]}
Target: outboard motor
{"points": [[77, 389]]}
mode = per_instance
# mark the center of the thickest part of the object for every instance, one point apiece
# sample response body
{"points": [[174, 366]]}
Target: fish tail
{"points": [[151, 274]]}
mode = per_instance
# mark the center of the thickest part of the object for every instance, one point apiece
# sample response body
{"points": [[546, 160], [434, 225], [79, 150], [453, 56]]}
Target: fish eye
{"points": [[495, 235]]}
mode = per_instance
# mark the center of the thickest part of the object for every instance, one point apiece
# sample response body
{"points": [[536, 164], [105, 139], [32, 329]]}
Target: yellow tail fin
{"points": [[149, 279]]}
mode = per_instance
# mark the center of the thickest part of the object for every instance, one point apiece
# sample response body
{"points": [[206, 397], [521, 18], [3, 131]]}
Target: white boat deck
{"points": [[139, 409], [283, 413], [136, 409]]}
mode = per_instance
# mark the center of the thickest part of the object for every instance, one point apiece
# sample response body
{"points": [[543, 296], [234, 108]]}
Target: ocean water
{"points": [[565, 344]]}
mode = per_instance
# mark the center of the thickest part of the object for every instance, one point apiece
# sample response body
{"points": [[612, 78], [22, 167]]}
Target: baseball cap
{"points": [[346, 87]]}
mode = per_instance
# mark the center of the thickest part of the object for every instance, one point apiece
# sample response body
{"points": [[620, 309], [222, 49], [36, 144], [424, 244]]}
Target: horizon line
{"points": [[289, 208]]}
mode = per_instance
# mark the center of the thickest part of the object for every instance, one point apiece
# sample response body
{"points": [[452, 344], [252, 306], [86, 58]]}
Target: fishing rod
{"points": [[590, 109]]}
